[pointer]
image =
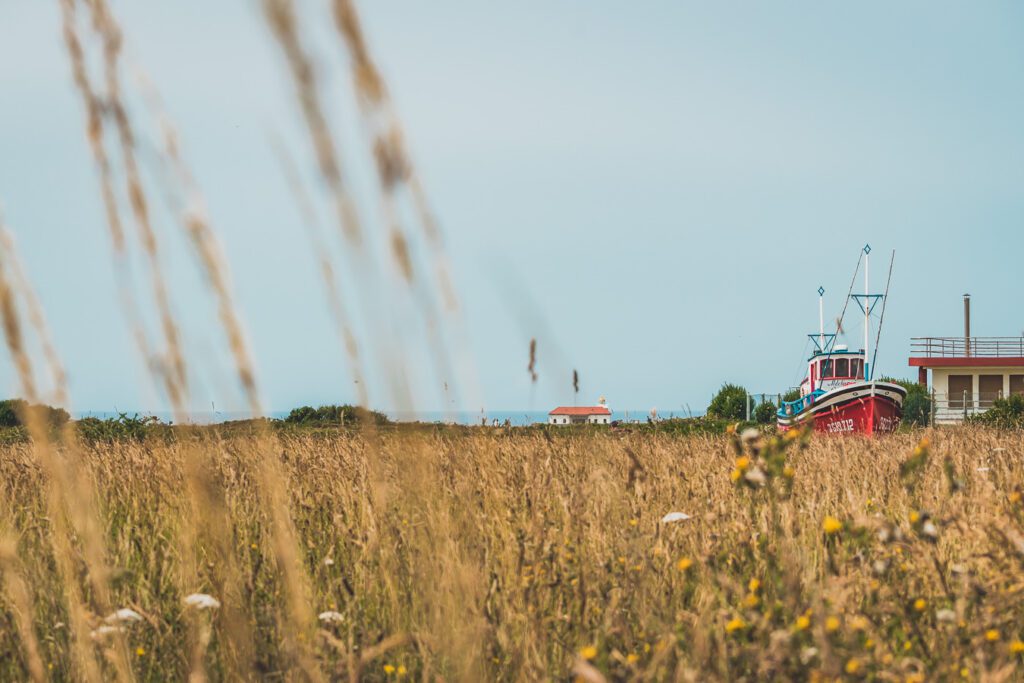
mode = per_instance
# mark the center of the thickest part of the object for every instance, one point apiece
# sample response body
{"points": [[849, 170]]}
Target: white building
{"points": [[968, 373], [566, 415]]}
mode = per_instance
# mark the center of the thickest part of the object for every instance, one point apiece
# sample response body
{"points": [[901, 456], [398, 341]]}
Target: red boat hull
{"points": [[863, 408]]}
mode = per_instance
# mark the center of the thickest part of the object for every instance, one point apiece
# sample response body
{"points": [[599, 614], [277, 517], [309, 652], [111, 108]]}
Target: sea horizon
{"points": [[462, 417]]}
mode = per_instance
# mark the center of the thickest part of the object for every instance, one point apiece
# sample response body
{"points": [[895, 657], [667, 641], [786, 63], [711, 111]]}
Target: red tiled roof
{"points": [[586, 410]]}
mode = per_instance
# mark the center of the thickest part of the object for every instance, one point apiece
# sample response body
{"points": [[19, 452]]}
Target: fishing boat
{"points": [[838, 395]]}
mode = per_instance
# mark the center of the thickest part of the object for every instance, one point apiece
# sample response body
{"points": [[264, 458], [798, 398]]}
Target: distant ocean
{"points": [[515, 417]]}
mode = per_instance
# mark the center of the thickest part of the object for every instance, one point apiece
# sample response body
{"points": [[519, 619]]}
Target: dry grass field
{"points": [[479, 554], [461, 554]]}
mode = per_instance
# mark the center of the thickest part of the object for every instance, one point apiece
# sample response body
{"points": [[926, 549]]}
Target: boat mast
{"points": [[867, 302], [867, 313]]}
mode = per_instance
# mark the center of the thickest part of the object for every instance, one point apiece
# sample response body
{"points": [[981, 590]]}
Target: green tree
{"points": [[729, 403], [11, 411], [791, 395], [765, 413], [1005, 413], [917, 406], [334, 415], [14, 411]]}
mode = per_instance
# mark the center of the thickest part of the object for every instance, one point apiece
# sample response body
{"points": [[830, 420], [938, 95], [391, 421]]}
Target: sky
{"points": [[654, 191]]}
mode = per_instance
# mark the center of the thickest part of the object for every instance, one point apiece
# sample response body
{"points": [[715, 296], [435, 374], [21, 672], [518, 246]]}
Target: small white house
{"points": [[566, 415]]}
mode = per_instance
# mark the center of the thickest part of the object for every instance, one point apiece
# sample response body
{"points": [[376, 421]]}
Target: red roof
{"points": [[585, 410]]}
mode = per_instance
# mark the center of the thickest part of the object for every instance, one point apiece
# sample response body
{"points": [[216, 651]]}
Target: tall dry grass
{"points": [[522, 555], [456, 554]]}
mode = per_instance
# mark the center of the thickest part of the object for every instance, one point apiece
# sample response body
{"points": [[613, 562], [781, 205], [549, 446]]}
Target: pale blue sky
{"points": [[655, 190]]}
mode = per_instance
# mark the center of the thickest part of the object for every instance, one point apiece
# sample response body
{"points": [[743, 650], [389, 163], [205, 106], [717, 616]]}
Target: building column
{"points": [[922, 376]]}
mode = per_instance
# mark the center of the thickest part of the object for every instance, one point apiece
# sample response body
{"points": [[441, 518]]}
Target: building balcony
{"points": [[967, 347]]}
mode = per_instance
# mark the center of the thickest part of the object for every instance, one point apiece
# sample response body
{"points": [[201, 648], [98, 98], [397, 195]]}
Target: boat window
{"points": [[828, 369], [842, 367]]}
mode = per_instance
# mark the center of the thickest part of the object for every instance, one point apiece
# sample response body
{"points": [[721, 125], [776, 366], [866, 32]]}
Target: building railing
{"points": [[962, 347], [958, 406]]}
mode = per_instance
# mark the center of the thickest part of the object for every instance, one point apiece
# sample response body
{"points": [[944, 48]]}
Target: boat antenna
{"points": [[821, 316], [839, 320], [885, 300]]}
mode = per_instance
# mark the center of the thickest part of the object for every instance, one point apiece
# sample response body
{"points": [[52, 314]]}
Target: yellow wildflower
{"points": [[684, 563], [788, 472], [914, 516], [831, 525], [751, 600], [389, 669], [803, 622], [632, 658], [868, 644], [1014, 497], [920, 604], [1017, 647], [992, 635], [852, 666], [589, 652], [742, 463], [754, 585], [401, 670], [647, 648], [907, 645], [634, 521], [832, 624], [140, 651], [735, 475], [735, 625]]}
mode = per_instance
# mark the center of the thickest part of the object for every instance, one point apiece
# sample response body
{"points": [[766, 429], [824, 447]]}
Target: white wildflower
{"points": [[675, 517], [328, 561], [755, 476], [123, 616], [946, 615], [202, 601], [807, 655], [331, 617]]}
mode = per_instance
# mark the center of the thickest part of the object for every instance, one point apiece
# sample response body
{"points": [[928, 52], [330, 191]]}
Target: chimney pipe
{"points": [[967, 324]]}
